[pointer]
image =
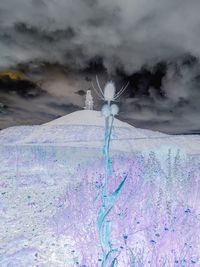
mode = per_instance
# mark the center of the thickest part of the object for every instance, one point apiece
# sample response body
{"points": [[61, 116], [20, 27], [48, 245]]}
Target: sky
{"points": [[60, 45]]}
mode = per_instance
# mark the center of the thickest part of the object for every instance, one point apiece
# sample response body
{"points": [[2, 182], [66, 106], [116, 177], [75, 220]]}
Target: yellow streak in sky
{"points": [[14, 75]]}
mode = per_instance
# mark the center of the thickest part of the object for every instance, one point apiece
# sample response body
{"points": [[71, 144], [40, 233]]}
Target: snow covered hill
{"points": [[86, 128]]}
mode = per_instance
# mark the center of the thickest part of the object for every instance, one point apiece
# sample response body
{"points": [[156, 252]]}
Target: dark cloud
{"points": [[81, 92], [167, 100], [123, 33], [153, 44], [57, 98], [24, 88], [64, 107]]}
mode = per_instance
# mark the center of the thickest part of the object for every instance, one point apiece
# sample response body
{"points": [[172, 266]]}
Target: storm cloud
{"points": [[126, 34], [129, 36]]}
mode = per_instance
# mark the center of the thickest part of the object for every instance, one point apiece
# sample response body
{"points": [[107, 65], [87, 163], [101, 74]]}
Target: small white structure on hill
{"points": [[89, 103]]}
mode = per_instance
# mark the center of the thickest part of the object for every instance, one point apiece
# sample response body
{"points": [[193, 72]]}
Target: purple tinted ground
{"points": [[49, 208]]}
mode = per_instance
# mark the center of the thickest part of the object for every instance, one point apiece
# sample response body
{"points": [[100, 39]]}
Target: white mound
{"points": [[86, 129], [85, 117], [94, 118]]}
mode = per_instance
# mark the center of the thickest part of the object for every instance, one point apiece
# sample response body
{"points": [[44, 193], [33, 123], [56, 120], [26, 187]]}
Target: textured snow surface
{"points": [[51, 177], [72, 128]]}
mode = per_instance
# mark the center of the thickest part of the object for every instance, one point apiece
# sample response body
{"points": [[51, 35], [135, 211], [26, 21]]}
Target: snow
{"points": [[86, 129], [50, 179], [85, 117]]}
